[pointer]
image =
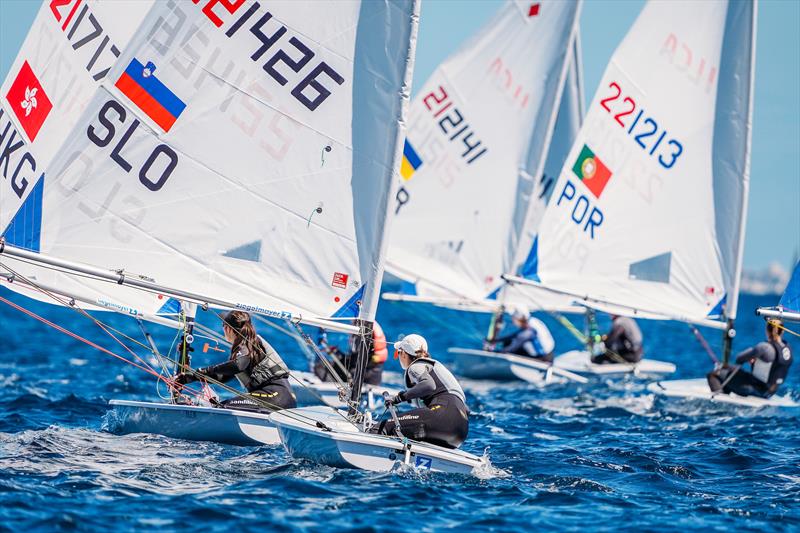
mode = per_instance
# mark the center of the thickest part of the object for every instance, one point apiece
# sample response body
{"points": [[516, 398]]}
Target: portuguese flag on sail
{"points": [[592, 172]]}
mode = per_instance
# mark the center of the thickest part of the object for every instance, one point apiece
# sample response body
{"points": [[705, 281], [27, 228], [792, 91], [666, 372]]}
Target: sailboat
{"points": [[487, 135], [788, 310], [648, 215], [223, 156]]}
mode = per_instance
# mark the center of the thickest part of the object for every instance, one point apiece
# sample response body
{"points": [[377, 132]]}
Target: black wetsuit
{"points": [[444, 420], [624, 341], [267, 381], [771, 362]]}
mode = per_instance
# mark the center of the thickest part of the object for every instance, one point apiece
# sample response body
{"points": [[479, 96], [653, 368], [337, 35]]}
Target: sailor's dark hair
{"points": [[246, 340], [775, 327]]}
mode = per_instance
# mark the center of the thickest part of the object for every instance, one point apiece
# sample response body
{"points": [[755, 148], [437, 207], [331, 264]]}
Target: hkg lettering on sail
{"points": [[583, 210], [31, 106], [17, 163]]}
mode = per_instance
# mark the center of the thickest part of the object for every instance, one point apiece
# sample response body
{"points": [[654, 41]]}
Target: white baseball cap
{"points": [[521, 313], [411, 344]]}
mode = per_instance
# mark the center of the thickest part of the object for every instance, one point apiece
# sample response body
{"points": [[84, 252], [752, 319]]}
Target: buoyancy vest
{"points": [[442, 377], [270, 368], [779, 368]]}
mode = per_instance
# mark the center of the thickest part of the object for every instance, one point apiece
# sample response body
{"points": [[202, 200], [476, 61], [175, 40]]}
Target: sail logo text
{"points": [[266, 312], [292, 57], [453, 124], [686, 62], [118, 307]]}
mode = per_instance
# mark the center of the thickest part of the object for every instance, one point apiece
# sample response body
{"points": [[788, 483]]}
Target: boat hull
{"points": [[697, 389], [191, 422], [480, 364], [579, 361], [341, 444]]}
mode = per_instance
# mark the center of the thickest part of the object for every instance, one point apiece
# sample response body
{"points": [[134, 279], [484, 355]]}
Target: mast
{"points": [[363, 352], [731, 308], [189, 311]]}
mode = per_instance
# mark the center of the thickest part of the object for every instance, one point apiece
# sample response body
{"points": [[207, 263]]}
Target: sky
{"points": [[773, 225]]}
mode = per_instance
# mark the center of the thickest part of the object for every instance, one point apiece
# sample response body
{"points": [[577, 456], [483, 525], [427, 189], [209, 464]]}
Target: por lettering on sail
{"points": [[594, 174]]}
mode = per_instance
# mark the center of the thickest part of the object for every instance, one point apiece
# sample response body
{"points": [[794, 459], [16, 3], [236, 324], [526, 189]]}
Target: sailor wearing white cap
{"points": [[444, 418]]}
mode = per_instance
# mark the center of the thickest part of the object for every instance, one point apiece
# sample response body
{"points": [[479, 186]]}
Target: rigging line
{"points": [[780, 326], [145, 366], [71, 304], [307, 338], [702, 340], [300, 337], [84, 340]]}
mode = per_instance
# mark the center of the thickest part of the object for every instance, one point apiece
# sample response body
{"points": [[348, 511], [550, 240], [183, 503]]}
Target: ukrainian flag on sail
{"points": [[150, 95], [411, 161]]}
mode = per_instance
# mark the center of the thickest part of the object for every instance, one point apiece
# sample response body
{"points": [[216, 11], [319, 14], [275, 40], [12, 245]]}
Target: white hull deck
{"points": [[191, 422], [697, 389], [340, 443], [579, 361], [309, 390], [481, 364]]}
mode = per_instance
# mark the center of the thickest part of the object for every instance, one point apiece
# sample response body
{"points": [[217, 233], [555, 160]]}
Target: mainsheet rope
{"points": [[71, 304]]}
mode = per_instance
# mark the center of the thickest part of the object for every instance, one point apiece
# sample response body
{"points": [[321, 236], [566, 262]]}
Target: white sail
{"points": [[69, 49], [648, 212], [67, 53], [243, 151], [479, 132]]}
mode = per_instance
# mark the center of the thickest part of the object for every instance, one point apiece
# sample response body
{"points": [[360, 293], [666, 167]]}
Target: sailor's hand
{"points": [[394, 400], [182, 378]]}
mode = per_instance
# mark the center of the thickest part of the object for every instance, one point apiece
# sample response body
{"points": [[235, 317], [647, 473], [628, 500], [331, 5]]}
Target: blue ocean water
{"points": [[604, 456]]}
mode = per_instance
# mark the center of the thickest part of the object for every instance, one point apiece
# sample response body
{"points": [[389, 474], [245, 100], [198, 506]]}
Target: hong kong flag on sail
{"points": [[29, 101]]}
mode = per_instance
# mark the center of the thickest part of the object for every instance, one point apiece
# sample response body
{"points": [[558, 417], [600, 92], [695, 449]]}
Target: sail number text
{"points": [[643, 129], [290, 58]]}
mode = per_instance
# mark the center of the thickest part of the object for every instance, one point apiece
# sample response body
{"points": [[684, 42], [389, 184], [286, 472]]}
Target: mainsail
{"points": [[648, 213], [479, 133], [68, 52], [789, 305], [244, 151]]}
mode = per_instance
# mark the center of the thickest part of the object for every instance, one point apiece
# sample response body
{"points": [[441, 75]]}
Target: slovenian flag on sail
{"points": [[150, 95], [592, 172], [411, 161]]}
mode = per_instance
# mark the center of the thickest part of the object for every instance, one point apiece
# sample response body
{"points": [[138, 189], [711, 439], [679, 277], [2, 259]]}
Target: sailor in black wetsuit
{"points": [[256, 365], [623, 343], [444, 420], [770, 362]]}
